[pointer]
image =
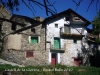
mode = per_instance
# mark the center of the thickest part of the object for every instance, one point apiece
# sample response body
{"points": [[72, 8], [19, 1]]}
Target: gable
{"points": [[71, 13], [75, 19]]}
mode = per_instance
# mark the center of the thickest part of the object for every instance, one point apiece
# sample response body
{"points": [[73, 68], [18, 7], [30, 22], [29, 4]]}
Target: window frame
{"points": [[58, 39], [34, 36], [29, 55], [13, 27], [74, 41], [33, 30], [56, 25], [68, 28]]}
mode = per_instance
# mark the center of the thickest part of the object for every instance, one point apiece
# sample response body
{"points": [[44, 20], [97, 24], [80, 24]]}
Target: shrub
{"points": [[51, 70]]}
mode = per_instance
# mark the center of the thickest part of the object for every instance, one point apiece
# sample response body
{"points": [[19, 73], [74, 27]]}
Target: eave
{"points": [[59, 15]]}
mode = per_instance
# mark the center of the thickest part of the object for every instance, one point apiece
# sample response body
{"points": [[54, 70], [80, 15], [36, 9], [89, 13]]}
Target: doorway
{"points": [[54, 58]]}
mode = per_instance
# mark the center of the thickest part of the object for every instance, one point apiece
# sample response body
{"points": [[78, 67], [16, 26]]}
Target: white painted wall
{"points": [[71, 48], [55, 32]]}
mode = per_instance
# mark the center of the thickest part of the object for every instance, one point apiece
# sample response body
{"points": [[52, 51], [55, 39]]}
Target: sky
{"points": [[61, 5]]}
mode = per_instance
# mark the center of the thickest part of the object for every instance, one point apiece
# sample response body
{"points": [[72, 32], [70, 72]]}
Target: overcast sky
{"points": [[62, 5]]}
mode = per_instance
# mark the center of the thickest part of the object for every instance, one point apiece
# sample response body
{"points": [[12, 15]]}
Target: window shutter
{"points": [[34, 40], [29, 53]]}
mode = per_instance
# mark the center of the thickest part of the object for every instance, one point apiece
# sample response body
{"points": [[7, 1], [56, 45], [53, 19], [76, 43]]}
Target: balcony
{"points": [[71, 35], [60, 50], [71, 32]]}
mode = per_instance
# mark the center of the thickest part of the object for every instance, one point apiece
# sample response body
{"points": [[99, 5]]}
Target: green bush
{"points": [[97, 40]]}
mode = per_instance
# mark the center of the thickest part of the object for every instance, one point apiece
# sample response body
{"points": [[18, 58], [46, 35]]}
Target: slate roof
{"points": [[64, 13]]}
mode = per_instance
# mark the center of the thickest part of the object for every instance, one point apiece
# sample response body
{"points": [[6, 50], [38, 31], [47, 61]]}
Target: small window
{"points": [[33, 30], [13, 27], [76, 18], [34, 40], [56, 25], [0, 27], [75, 41], [29, 53], [67, 18]]}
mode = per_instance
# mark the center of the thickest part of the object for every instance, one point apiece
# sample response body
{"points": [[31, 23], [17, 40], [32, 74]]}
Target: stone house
{"points": [[58, 39], [65, 34], [22, 45]]}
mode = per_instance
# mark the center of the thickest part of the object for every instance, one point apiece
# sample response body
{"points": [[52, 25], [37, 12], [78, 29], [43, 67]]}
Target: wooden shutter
{"points": [[34, 40], [29, 53], [66, 28], [56, 43]]}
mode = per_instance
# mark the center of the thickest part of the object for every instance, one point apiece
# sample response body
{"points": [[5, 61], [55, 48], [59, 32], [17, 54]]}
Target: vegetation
{"points": [[97, 40], [96, 24], [49, 70], [96, 27]]}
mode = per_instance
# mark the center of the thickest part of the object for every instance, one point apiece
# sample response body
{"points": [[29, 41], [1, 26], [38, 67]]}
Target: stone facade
{"points": [[17, 45], [65, 35], [19, 48]]}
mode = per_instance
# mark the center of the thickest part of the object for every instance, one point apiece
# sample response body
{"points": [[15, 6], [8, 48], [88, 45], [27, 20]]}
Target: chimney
{"points": [[38, 18]]}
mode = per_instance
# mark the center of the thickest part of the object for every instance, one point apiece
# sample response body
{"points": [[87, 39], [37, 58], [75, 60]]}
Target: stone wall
{"points": [[40, 55], [71, 51]]}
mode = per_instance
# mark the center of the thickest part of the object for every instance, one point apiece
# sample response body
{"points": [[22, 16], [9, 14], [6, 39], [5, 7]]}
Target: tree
{"points": [[96, 26]]}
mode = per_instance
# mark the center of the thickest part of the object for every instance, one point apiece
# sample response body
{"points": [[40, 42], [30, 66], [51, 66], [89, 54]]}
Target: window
{"points": [[76, 18], [67, 18], [56, 25], [33, 30], [66, 28], [34, 40], [75, 41], [0, 25], [13, 27], [29, 53], [56, 43], [0, 28]]}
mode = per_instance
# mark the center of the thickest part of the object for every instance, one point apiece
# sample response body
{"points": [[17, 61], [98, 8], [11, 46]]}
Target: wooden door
{"points": [[54, 59], [57, 43], [66, 28]]}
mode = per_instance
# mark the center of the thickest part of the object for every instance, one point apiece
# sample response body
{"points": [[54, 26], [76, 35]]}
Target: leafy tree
{"points": [[96, 24]]}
